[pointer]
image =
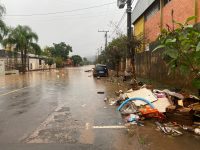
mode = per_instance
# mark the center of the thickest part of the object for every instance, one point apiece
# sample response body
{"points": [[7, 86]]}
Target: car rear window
{"points": [[100, 67]]}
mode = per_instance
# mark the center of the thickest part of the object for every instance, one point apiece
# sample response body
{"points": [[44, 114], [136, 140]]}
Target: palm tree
{"points": [[3, 27], [24, 39]]}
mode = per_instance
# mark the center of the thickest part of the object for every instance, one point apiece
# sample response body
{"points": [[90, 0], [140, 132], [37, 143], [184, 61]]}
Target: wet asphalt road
{"points": [[60, 108]]}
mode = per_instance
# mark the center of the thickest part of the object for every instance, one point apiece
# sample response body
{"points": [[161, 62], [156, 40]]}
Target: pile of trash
{"points": [[171, 111]]}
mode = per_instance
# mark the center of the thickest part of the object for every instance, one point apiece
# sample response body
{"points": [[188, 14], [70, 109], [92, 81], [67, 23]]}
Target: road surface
{"points": [[60, 109]]}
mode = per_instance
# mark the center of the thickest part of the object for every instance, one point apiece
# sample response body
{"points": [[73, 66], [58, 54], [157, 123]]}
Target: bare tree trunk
{"points": [[117, 69]]}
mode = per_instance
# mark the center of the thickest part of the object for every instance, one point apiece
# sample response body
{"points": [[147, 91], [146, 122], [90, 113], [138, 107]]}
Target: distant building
{"points": [[149, 17]]}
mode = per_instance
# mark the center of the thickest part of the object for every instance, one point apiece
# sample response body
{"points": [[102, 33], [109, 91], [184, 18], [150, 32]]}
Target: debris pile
{"points": [[172, 111]]}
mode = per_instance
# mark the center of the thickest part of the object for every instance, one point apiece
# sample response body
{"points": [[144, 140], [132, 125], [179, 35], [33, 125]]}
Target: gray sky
{"points": [[77, 28]]}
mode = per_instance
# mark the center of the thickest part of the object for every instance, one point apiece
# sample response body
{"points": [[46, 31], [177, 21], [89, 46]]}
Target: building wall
{"points": [[139, 27], [182, 10], [33, 64], [152, 27]]}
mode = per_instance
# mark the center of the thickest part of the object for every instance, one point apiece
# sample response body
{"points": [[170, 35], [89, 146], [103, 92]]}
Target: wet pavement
{"points": [[61, 109]]}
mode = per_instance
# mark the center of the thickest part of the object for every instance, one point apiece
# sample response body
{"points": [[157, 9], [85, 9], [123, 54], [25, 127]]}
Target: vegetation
{"points": [[182, 50], [61, 50], [86, 61], [57, 53], [77, 60], [59, 62], [24, 40], [117, 51], [3, 27], [49, 61]]}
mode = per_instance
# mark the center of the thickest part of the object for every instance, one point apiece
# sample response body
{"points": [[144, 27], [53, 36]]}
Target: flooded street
{"points": [[61, 109]]}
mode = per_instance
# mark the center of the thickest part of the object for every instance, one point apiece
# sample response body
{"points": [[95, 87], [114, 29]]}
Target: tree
{"points": [[59, 62], [24, 40], [3, 27], [61, 50], [85, 61], [114, 52], [49, 61], [182, 50], [77, 60], [117, 51]]}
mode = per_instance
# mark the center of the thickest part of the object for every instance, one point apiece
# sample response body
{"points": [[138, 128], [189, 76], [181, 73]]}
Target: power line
{"points": [[106, 37], [121, 20], [61, 12], [119, 23]]}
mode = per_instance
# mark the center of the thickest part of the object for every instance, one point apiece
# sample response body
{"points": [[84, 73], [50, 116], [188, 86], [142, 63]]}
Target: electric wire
{"points": [[61, 12], [119, 23], [121, 20]]}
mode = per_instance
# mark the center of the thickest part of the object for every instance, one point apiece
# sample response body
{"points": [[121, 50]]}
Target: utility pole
{"points": [[106, 37], [130, 54], [129, 32]]}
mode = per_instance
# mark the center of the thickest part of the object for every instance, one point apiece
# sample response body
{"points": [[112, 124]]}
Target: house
{"points": [[149, 17], [10, 62], [35, 62]]}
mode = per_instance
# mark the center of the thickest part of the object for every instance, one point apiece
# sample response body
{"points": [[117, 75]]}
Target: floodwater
{"points": [[61, 109]]}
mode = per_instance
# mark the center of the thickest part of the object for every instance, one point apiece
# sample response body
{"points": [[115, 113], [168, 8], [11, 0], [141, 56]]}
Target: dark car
{"points": [[100, 70]]}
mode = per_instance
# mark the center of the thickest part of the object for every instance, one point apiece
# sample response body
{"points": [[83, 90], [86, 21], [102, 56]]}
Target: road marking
{"points": [[13, 91], [109, 127]]}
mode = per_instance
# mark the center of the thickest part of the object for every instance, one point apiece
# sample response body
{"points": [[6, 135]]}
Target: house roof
{"points": [[140, 8]]}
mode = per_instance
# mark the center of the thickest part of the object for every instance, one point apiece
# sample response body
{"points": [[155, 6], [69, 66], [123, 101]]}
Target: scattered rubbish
{"points": [[83, 105], [177, 95], [129, 108], [161, 104], [168, 130], [105, 99], [149, 112], [142, 93], [88, 70], [112, 101], [197, 131], [100, 92], [178, 110], [135, 101], [181, 115], [118, 92], [98, 77], [132, 118]]}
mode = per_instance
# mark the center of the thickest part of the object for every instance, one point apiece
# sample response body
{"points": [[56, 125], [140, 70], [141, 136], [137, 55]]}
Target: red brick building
{"points": [[151, 16]]}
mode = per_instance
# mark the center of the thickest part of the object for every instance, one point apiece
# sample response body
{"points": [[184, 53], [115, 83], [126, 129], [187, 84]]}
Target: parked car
{"points": [[100, 70]]}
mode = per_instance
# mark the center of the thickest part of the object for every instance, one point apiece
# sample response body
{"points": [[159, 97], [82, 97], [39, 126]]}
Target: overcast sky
{"points": [[79, 28]]}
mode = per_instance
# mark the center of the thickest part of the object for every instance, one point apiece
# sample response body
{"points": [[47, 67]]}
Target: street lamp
{"points": [[121, 3]]}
